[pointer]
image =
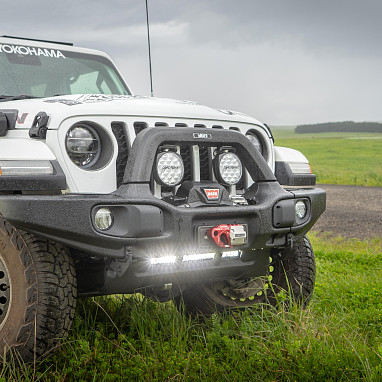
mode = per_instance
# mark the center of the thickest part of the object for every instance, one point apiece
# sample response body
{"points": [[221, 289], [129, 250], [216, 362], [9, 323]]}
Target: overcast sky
{"points": [[284, 62]]}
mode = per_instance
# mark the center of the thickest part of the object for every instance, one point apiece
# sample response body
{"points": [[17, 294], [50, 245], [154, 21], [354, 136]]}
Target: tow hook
{"points": [[228, 235]]}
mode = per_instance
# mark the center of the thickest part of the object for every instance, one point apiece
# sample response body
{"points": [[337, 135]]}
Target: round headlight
{"points": [[83, 145], [300, 208], [228, 168], [255, 141], [169, 169], [103, 219]]}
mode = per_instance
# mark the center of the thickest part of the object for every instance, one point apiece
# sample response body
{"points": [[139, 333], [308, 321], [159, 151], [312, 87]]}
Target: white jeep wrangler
{"points": [[104, 192]]}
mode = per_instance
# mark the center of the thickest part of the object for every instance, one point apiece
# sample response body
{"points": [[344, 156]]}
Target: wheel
{"points": [[291, 270], [37, 293]]}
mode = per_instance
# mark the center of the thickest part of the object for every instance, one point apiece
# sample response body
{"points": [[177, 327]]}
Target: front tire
{"points": [[295, 273], [291, 270], [37, 293]]}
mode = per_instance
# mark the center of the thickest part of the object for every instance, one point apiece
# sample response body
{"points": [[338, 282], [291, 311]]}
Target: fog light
{"points": [[103, 219], [300, 209]]}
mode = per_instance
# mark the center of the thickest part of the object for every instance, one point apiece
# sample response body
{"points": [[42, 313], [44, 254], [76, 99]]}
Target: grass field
{"points": [[338, 158], [338, 338]]}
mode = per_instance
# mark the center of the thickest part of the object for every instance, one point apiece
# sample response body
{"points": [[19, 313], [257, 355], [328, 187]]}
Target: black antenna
{"points": [[148, 41]]}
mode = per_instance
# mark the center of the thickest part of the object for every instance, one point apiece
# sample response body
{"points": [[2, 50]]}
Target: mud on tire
{"points": [[37, 293], [291, 270]]}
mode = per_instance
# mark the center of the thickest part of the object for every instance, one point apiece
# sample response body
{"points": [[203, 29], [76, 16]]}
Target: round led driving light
{"points": [[103, 219], [83, 145], [229, 168], [300, 208], [169, 169]]}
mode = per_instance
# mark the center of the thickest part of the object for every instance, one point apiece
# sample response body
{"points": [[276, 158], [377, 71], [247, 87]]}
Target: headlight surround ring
{"points": [[256, 141], [83, 145]]}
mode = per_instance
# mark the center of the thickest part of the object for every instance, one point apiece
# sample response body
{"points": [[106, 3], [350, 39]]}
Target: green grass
{"points": [[338, 158], [338, 338]]}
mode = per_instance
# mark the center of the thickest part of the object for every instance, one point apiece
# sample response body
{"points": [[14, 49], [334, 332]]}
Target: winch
{"points": [[228, 235]]}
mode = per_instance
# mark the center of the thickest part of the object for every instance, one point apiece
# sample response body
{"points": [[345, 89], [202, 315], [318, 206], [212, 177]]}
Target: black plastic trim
{"points": [[39, 126], [286, 177], [3, 124], [8, 118], [34, 39], [132, 221]]}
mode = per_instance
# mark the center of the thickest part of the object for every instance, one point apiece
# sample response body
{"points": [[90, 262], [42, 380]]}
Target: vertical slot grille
{"points": [[205, 163], [139, 126], [185, 153], [118, 129]]}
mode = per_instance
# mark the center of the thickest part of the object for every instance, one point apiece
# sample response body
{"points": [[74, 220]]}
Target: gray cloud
{"points": [[339, 26], [283, 61]]}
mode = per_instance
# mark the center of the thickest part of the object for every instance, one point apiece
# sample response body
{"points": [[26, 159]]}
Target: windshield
{"points": [[43, 72]]}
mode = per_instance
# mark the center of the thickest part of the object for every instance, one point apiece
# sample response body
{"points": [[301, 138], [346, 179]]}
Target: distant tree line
{"points": [[340, 127]]}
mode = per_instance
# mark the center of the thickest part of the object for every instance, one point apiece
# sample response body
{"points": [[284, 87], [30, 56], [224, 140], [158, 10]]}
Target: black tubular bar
{"points": [[145, 146]]}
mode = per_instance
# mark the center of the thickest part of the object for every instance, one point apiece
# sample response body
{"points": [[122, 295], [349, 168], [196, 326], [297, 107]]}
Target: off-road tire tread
{"points": [[296, 272], [51, 293]]}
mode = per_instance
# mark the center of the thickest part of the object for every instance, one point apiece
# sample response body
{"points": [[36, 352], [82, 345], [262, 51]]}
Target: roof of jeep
{"points": [[8, 40]]}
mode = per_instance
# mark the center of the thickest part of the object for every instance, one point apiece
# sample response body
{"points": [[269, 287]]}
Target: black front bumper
{"points": [[145, 225], [148, 224]]}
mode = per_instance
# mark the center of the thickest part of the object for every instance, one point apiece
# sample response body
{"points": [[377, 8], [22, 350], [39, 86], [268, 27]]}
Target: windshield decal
{"points": [[93, 98], [68, 102], [30, 51]]}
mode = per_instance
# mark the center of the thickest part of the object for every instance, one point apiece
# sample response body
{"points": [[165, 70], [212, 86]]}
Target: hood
{"points": [[62, 107]]}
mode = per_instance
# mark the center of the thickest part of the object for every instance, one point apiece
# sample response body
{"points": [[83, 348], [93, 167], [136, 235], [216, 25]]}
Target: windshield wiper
{"points": [[15, 98]]}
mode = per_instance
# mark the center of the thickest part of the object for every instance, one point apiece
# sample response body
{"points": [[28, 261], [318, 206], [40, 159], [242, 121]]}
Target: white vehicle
{"points": [[104, 192]]}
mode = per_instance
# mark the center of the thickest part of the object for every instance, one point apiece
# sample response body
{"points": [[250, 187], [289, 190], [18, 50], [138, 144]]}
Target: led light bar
{"points": [[25, 168], [231, 254], [163, 260], [194, 257], [199, 256]]}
